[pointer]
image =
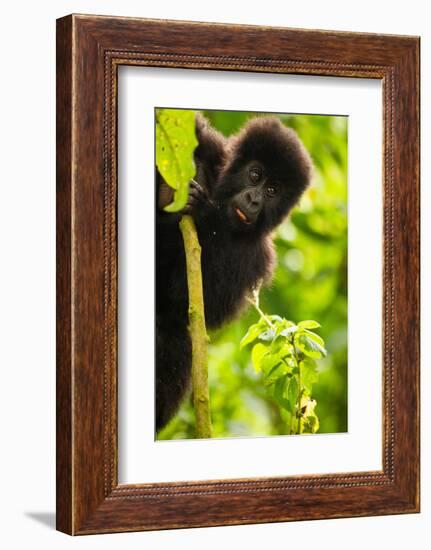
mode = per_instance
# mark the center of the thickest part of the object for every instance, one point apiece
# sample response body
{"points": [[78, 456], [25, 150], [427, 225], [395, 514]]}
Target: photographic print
{"points": [[251, 274], [207, 238]]}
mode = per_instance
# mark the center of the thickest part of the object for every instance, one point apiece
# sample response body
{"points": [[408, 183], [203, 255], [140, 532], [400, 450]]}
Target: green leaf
{"points": [[289, 331], [275, 318], [267, 336], [180, 199], [279, 394], [175, 144], [309, 347], [279, 387], [273, 368], [286, 404], [257, 354], [310, 424], [269, 361], [276, 362], [309, 373], [251, 334], [309, 324], [315, 337], [310, 421], [288, 358]]}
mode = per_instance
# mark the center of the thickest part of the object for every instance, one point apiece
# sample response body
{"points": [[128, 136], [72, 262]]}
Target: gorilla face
{"points": [[255, 196], [266, 173]]}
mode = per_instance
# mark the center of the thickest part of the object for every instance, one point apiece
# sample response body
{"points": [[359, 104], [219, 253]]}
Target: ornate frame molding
{"points": [[89, 498]]}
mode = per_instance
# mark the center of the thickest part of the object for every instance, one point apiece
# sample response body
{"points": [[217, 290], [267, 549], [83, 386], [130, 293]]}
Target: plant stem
{"points": [[299, 389], [261, 313], [197, 328]]}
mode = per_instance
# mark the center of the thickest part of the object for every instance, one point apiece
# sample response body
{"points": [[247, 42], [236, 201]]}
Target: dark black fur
{"points": [[234, 215]]}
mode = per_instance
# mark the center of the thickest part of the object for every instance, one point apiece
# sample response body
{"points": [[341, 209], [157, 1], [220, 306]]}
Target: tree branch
{"points": [[197, 328]]}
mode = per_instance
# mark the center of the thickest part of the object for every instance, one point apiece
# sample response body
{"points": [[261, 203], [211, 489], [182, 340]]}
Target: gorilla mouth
{"points": [[242, 216]]}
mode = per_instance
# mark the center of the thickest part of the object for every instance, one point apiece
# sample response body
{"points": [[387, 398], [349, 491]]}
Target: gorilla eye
{"points": [[271, 191], [255, 175]]}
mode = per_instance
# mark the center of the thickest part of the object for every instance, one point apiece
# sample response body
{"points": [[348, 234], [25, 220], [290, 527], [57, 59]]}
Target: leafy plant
{"points": [[175, 143], [285, 354], [310, 281]]}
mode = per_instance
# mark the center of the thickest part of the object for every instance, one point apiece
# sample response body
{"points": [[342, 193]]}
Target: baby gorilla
{"points": [[244, 187]]}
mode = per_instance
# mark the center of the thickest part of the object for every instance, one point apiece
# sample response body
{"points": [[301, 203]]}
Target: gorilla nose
{"points": [[253, 199]]}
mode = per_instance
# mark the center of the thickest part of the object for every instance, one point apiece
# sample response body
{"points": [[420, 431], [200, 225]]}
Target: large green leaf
{"points": [[280, 394], [257, 354], [309, 347], [309, 324], [280, 387], [273, 368], [315, 337], [175, 144], [308, 373], [252, 333]]}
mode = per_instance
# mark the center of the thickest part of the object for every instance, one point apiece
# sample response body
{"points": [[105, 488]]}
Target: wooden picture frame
{"points": [[89, 51]]}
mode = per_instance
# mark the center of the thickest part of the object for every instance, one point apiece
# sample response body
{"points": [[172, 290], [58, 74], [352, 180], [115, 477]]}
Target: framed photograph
{"points": [[237, 274]]}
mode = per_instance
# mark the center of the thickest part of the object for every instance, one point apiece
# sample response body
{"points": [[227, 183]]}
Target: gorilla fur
{"points": [[244, 187]]}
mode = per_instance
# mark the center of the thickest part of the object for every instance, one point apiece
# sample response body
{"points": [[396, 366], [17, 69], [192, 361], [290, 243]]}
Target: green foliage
{"points": [[175, 143], [310, 282], [287, 363]]}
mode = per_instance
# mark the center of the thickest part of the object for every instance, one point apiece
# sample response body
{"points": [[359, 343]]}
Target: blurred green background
{"points": [[310, 283]]}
